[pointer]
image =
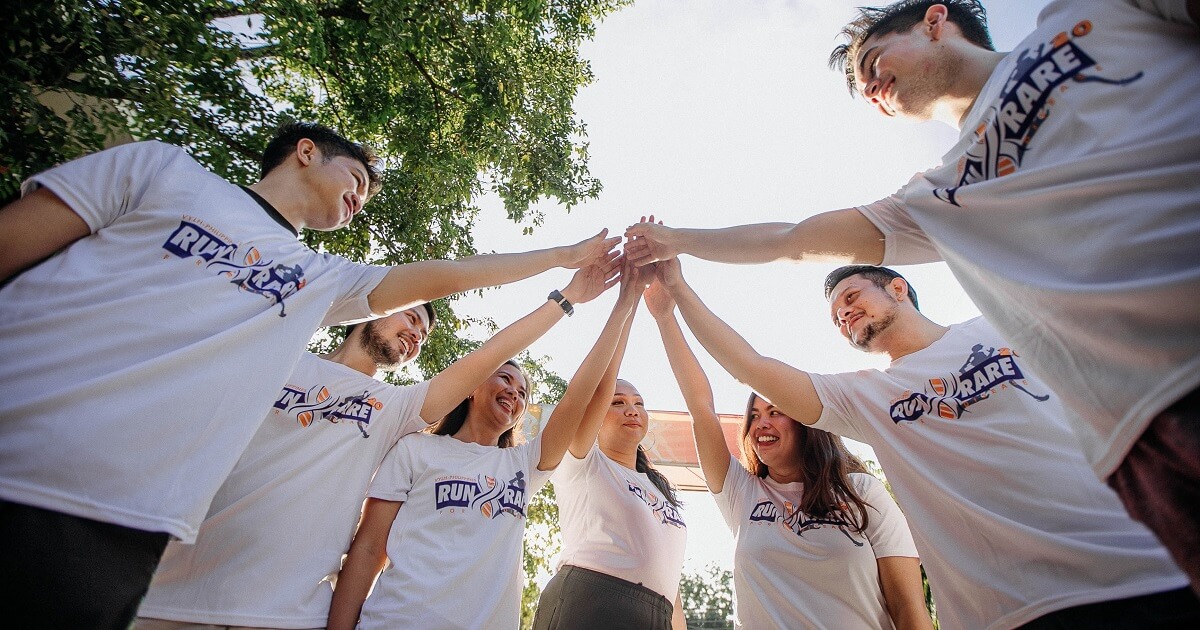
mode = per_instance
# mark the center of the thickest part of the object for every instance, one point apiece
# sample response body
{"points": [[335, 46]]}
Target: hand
{"points": [[669, 273], [649, 242], [598, 276], [633, 281], [659, 301], [582, 253]]}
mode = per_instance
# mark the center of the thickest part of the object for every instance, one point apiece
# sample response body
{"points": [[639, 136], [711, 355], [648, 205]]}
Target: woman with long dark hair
{"points": [[447, 508], [623, 536], [819, 542]]}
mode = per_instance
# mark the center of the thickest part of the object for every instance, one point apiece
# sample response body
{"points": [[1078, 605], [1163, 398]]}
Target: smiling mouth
{"points": [[767, 439]]}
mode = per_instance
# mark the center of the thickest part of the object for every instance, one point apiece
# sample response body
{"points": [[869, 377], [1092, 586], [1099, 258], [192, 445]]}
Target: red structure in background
{"points": [[669, 443]]}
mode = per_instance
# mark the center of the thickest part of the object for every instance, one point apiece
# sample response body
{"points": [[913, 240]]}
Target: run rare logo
{"points": [[983, 373], [1026, 101], [246, 270], [662, 509], [485, 495], [316, 403], [765, 511]]}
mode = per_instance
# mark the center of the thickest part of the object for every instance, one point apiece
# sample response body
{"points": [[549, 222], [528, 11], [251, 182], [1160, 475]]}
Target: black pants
{"points": [[1170, 610], [61, 571], [582, 599]]}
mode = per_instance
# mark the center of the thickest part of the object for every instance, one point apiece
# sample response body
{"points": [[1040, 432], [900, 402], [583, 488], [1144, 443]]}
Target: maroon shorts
{"points": [[1159, 482]]}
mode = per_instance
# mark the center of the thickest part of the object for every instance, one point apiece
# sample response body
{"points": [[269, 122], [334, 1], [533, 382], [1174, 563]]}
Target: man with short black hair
{"points": [[1011, 525], [1069, 210], [191, 301]]}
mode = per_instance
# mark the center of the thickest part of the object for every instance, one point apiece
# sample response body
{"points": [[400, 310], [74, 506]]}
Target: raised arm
{"points": [[788, 388], [364, 561], [33, 227], [564, 423], [838, 236], [632, 285], [410, 284], [456, 382], [697, 391]]}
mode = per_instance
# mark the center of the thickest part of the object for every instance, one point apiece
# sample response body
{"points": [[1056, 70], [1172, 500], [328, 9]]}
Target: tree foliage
{"points": [[460, 97], [708, 598]]}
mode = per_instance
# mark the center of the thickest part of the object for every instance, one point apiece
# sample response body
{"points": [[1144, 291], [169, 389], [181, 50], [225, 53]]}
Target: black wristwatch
{"points": [[556, 296]]}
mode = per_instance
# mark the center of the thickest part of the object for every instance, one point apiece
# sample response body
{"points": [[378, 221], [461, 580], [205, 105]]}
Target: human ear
{"points": [[935, 19], [306, 150]]}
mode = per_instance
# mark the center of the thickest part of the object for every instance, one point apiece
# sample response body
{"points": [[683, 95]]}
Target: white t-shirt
{"points": [[791, 570], [278, 527], [455, 546], [615, 521], [139, 360], [1070, 212], [1010, 521]]}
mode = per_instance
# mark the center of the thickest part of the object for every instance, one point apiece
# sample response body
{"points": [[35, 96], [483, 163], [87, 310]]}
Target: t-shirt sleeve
{"points": [[1170, 10], [403, 408], [732, 493], [395, 477], [904, 242], [104, 186], [887, 529], [840, 415], [533, 453], [355, 283], [570, 469]]}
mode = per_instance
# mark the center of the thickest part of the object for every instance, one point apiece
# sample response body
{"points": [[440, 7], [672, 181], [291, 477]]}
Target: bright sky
{"points": [[708, 114]]}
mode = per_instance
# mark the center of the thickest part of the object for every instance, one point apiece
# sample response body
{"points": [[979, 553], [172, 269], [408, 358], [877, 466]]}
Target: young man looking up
{"points": [[1068, 210], [1010, 523], [139, 358]]}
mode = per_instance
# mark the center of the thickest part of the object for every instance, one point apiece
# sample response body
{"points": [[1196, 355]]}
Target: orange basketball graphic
{"points": [[253, 256], [305, 418], [946, 411], [486, 508]]}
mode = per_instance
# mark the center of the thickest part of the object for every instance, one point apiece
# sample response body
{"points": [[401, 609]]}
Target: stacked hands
{"points": [[647, 265]]}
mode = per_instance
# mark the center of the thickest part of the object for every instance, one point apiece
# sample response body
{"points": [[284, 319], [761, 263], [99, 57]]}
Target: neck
{"points": [[351, 355], [471, 432], [623, 455], [784, 475], [976, 66], [286, 196], [908, 335]]}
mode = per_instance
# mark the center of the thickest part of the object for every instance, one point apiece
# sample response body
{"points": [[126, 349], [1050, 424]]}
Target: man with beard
{"points": [[1011, 525], [274, 536], [1072, 189]]}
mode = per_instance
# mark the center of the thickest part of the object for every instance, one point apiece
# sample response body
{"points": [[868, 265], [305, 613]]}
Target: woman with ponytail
{"points": [[819, 542], [623, 536]]}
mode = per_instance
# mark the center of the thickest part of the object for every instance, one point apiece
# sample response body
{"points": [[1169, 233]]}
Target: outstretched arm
{"points": [[788, 388], [452, 385], [839, 236], [697, 391], [410, 284], [564, 423], [632, 286], [364, 561], [33, 227]]}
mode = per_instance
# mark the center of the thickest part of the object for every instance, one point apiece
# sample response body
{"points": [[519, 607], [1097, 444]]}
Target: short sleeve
{"points": [[403, 407], [571, 468], [104, 186], [887, 529], [355, 283], [395, 477], [533, 453], [839, 414], [904, 242], [732, 493]]}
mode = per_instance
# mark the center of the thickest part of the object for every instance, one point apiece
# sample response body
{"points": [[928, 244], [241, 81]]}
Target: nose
{"points": [[871, 90]]}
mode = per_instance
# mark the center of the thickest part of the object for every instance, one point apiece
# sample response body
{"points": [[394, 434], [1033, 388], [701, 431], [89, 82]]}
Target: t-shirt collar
{"points": [[271, 211]]}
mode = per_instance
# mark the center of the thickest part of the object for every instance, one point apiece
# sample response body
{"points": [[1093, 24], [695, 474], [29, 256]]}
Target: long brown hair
{"points": [[453, 421], [825, 472]]}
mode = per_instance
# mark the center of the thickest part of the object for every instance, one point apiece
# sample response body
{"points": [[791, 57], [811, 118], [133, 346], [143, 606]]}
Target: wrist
{"points": [[562, 301]]}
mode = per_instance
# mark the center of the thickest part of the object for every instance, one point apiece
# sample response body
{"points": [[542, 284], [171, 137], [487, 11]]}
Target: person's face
{"points": [[862, 311], [775, 436], [626, 422], [500, 401], [397, 338], [339, 188], [904, 73]]}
